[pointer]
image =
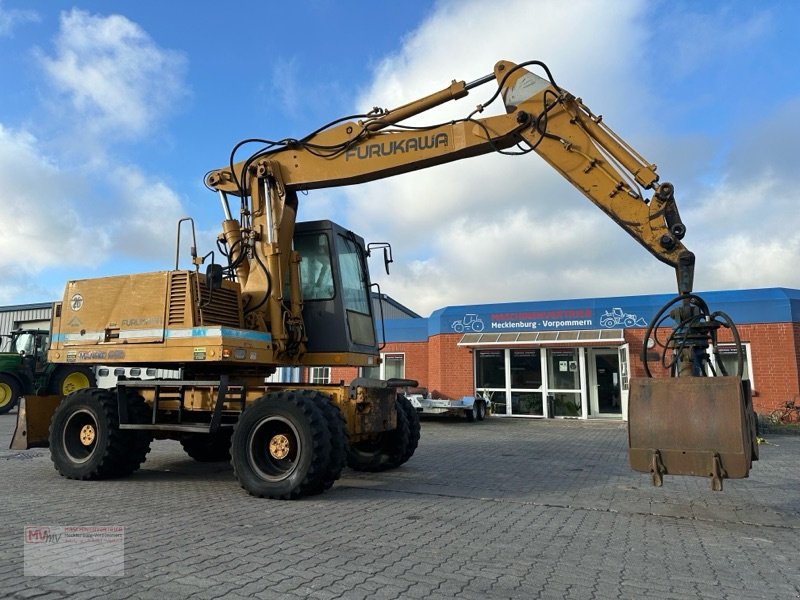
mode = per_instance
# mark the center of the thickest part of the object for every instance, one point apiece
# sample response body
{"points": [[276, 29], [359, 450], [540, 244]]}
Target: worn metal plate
{"points": [[689, 421], [33, 422]]}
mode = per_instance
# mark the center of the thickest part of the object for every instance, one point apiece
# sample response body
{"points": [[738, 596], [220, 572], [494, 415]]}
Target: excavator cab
{"points": [[335, 284], [700, 420]]}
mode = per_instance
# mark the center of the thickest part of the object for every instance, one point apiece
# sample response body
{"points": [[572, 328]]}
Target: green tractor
{"points": [[24, 369]]}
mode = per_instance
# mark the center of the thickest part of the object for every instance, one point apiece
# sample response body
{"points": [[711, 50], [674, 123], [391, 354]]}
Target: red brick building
{"points": [[575, 357]]}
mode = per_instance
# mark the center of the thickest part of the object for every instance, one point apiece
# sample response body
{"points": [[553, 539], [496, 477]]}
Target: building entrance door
{"points": [[604, 383]]}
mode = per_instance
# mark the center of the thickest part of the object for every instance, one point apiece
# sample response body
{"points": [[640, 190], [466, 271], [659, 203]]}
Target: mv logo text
{"points": [[41, 535]]}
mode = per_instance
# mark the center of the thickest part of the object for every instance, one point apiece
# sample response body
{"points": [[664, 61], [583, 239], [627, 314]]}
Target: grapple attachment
{"points": [[701, 426]]}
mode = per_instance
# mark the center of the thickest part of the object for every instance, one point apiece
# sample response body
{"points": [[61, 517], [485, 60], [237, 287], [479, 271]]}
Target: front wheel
{"points": [[10, 391], [86, 441], [281, 446]]}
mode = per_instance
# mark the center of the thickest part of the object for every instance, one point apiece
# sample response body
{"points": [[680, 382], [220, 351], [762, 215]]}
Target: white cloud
{"points": [[117, 79], [10, 18], [145, 217], [69, 210], [41, 212]]}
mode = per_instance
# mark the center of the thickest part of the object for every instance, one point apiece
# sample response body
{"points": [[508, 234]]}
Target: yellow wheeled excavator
{"points": [[285, 293]]}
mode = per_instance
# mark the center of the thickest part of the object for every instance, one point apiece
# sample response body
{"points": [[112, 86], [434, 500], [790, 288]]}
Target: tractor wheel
{"points": [[70, 378], [388, 449], [281, 446], [10, 391], [86, 441], [209, 447]]}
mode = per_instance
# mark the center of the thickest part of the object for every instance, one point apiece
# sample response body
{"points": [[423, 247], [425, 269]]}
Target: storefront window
{"points": [[562, 370], [565, 404], [526, 403], [526, 369], [490, 380], [491, 369]]}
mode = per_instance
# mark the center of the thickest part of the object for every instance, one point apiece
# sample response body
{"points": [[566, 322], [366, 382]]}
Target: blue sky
{"points": [[111, 112]]}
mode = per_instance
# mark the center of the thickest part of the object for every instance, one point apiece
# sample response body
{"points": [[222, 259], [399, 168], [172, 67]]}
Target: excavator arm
{"points": [[540, 117]]}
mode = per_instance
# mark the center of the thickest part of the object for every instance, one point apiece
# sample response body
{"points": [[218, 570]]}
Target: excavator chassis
{"points": [[700, 426]]}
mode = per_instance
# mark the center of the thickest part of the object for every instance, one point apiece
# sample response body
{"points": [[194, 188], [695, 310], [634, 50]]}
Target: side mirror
{"points": [[387, 252], [213, 277]]}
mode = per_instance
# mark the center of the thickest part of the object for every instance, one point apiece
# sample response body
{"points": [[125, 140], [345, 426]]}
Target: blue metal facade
{"points": [[768, 305]]}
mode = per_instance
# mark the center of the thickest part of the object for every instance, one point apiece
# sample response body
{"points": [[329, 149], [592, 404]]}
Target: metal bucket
{"points": [[700, 426], [33, 422]]}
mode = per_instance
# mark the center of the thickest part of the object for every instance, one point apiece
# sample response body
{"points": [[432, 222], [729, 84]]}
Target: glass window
{"points": [[316, 278], [729, 360], [562, 370], [354, 281], [371, 372], [320, 374], [526, 403], [394, 366], [566, 404], [491, 369], [526, 369]]}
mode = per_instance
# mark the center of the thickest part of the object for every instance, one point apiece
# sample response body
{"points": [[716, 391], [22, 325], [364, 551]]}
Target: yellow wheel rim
{"points": [[74, 381], [279, 446], [5, 394], [87, 435]]}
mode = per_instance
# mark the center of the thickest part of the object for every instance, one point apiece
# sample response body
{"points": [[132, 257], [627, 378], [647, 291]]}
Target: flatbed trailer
{"points": [[472, 408]]}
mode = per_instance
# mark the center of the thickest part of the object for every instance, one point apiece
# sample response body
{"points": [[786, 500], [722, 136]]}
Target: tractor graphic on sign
{"points": [[616, 318], [470, 322]]}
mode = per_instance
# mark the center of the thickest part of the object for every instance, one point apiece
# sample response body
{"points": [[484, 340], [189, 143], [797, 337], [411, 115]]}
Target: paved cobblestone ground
{"points": [[506, 508]]}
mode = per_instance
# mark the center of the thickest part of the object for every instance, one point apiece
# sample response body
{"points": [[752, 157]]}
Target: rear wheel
{"points": [[70, 378], [86, 441], [388, 449], [281, 446], [10, 391]]}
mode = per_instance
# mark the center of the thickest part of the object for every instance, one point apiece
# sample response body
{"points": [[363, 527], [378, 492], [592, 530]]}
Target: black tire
{"points": [[281, 446], [66, 379], [412, 416], [10, 391], [209, 447], [86, 441], [472, 413], [138, 442], [481, 410], [338, 435], [388, 449]]}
